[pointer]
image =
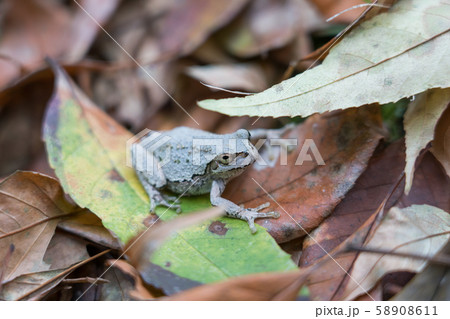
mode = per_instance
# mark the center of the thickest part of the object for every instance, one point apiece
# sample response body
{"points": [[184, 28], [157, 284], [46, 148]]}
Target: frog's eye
{"points": [[225, 159]]}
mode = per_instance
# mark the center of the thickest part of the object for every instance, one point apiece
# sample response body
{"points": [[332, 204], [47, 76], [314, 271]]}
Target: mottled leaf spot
{"points": [[105, 194], [218, 228], [115, 176]]}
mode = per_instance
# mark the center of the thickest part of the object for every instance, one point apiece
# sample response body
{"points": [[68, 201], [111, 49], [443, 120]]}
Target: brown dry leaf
{"points": [[418, 229], [375, 184], [359, 203], [249, 77], [309, 192], [63, 251], [269, 24], [420, 121], [135, 96], [188, 23], [21, 108], [33, 30], [429, 285], [162, 30], [125, 283], [87, 225], [83, 25], [430, 186], [36, 286], [263, 287], [441, 143], [31, 206], [329, 8]]}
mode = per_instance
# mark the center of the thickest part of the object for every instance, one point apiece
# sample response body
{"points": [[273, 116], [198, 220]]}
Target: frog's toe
{"points": [[261, 207], [250, 215]]}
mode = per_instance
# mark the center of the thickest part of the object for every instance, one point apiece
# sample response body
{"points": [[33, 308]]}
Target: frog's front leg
{"points": [[156, 197], [233, 210]]}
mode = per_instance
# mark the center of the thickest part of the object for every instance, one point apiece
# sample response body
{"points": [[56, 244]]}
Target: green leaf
{"points": [[87, 149], [395, 54], [216, 250]]}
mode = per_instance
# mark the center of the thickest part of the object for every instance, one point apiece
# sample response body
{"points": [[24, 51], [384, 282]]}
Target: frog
{"points": [[200, 163]]}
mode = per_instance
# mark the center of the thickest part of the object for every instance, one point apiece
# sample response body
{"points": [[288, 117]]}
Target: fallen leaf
{"points": [[84, 25], [87, 225], [245, 76], [88, 151], [369, 12], [35, 286], [190, 22], [365, 67], [441, 144], [30, 208], [41, 28], [418, 228], [21, 286], [177, 27], [376, 183], [307, 192], [21, 106], [33, 30], [135, 288], [329, 8], [266, 286], [430, 284], [420, 120], [268, 24], [65, 250], [140, 248]]}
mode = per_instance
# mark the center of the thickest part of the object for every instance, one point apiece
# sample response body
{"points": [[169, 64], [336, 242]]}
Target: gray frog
{"points": [[193, 162]]}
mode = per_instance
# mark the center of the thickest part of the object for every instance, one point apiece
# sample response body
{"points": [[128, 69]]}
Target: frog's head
{"points": [[238, 153]]}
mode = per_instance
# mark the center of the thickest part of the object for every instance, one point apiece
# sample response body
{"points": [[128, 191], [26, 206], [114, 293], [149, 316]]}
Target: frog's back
{"points": [[176, 154]]}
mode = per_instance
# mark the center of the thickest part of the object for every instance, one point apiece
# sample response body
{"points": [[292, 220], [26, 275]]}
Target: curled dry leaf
{"points": [[365, 67], [418, 228], [441, 144], [87, 225], [62, 252], [263, 287], [31, 205], [123, 283], [245, 76], [420, 121], [307, 192]]}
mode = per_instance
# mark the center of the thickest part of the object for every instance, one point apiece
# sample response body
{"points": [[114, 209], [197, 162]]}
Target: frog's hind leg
{"points": [[156, 196], [233, 210]]}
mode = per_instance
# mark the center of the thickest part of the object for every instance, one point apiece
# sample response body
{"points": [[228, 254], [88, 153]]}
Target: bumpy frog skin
{"points": [[193, 162]]}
